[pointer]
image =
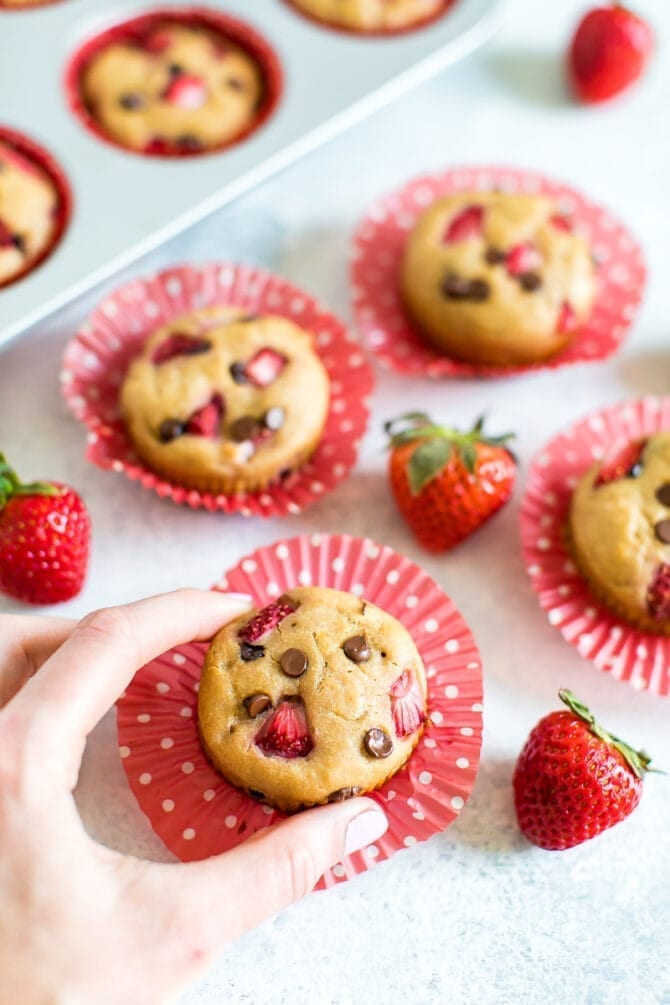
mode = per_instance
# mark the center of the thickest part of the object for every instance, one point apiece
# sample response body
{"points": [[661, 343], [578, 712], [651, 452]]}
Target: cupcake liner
{"points": [[96, 359], [197, 813], [341, 29], [31, 151], [627, 652], [377, 254], [237, 31]]}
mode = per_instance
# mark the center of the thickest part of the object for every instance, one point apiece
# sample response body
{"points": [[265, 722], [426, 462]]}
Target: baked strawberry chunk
{"points": [[285, 732], [406, 704]]}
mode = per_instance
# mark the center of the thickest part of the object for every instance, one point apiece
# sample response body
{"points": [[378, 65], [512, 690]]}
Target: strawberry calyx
{"points": [[11, 485], [437, 445], [637, 760]]}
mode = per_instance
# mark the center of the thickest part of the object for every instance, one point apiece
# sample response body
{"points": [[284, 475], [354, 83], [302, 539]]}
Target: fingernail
{"points": [[364, 829]]}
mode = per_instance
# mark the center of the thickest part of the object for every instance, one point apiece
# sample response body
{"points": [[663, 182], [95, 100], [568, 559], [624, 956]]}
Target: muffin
{"points": [[29, 206], [371, 15], [170, 87], [619, 531], [497, 279], [317, 697], [225, 401]]}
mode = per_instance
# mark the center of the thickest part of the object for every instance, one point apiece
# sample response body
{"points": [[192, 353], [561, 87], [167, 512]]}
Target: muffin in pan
{"points": [[376, 16]]}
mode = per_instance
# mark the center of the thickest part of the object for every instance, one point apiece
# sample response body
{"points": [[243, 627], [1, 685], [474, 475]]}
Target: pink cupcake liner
{"points": [[377, 254], [237, 31], [628, 653], [388, 33], [96, 360], [196, 813], [37, 155]]}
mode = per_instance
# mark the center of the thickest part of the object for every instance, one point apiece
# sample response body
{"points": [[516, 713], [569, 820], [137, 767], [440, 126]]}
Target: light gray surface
{"points": [[331, 81], [475, 915]]}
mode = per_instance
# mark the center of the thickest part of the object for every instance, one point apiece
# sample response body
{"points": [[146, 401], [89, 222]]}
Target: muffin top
{"points": [[317, 697], [620, 530], [173, 88], [29, 203], [371, 15]]}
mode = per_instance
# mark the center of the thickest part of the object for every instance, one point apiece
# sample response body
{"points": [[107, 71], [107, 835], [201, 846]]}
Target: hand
{"points": [[78, 921]]}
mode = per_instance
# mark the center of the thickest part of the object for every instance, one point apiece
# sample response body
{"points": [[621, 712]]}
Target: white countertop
{"points": [[475, 914]]}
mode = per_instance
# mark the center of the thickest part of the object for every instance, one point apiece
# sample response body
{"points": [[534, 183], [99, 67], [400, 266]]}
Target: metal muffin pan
{"points": [[126, 204]]}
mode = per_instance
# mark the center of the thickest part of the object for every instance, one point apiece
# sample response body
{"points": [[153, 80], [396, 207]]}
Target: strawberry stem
{"points": [[638, 760], [11, 485]]}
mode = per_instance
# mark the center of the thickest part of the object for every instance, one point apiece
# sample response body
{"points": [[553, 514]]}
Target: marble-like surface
{"points": [[475, 914]]}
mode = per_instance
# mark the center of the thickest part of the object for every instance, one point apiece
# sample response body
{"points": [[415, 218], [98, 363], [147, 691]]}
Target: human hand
{"points": [[78, 921]]}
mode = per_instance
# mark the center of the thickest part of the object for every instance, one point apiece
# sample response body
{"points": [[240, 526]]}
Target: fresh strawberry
{"points": [[608, 52], [407, 705], [266, 619], [447, 483], [207, 420], [179, 344], [573, 779], [264, 368], [285, 732], [466, 224], [658, 593], [44, 539], [567, 319], [621, 462], [186, 91], [522, 258]]}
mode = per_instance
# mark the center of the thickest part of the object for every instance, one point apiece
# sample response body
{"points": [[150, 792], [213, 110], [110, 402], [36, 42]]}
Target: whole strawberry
{"points": [[608, 53], [447, 483], [44, 539], [573, 779]]}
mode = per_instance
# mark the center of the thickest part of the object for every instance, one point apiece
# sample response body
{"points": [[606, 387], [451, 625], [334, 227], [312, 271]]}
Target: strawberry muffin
{"points": [[317, 697], [169, 87], [29, 207], [619, 530], [225, 401], [371, 15], [497, 279]]}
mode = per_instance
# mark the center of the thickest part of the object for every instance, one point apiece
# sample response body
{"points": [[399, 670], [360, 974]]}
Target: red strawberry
{"points": [[157, 40], [264, 368], [407, 705], [622, 462], [447, 483], [608, 52], [179, 344], [266, 619], [522, 258], [6, 236], [573, 779], [567, 319], [560, 222], [658, 593], [207, 420], [45, 532], [186, 91], [285, 732], [466, 224]]}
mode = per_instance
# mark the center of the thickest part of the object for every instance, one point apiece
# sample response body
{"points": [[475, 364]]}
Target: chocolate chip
{"points": [[341, 794], [131, 102], [479, 290], [377, 742], [235, 85], [494, 256], [19, 243], [274, 418], [662, 530], [249, 653], [255, 704], [244, 428], [455, 287], [530, 281], [175, 70], [189, 142], [248, 318], [255, 794], [663, 494], [170, 429], [357, 649], [238, 372], [294, 662]]}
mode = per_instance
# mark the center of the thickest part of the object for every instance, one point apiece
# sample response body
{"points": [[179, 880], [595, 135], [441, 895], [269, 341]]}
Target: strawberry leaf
{"points": [[426, 462]]}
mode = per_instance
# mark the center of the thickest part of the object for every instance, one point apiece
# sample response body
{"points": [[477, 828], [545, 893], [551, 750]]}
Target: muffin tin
{"points": [[125, 204]]}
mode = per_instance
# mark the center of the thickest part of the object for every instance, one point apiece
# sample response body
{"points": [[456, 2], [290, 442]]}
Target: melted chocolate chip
{"points": [[457, 288], [378, 743], [274, 418], [248, 318], [294, 662], [479, 290], [238, 372], [530, 281], [189, 142], [170, 429], [494, 256], [663, 494], [341, 794], [249, 653], [175, 70], [245, 428], [19, 243], [255, 794], [131, 102], [235, 85], [662, 531], [357, 649], [256, 704]]}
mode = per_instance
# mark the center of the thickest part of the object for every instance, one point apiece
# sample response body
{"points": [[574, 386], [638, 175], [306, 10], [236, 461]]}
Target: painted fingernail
{"points": [[364, 829]]}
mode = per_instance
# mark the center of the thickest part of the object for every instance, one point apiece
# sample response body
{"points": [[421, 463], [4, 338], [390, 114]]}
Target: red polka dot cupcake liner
{"points": [[423, 22], [97, 358], [197, 813], [243, 35], [626, 652], [376, 259]]}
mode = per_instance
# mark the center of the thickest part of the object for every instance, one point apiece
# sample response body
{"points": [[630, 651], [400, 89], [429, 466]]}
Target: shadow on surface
{"points": [[488, 822], [646, 372], [538, 77]]}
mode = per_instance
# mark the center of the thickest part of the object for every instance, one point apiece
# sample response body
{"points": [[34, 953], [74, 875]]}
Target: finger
{"points": [[222, 897], [26, 642], [80, 682]]}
